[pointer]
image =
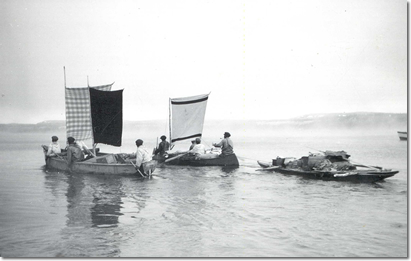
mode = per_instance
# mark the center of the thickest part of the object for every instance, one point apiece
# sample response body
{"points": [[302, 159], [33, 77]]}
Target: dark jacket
{"points": [[162, 147]]}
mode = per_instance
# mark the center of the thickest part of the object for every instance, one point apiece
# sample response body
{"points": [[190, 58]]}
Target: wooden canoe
{"points": [[190, 160]]}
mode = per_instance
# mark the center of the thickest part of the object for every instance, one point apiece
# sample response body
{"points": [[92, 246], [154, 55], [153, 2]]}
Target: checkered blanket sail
{"points": [[78, 115]]}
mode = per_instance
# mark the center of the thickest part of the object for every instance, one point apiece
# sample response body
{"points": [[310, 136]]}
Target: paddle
{"points": [[176, 157], [144, 176], [269, 168]]}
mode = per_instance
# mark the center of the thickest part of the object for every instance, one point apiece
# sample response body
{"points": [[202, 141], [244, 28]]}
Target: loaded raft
{"points": [[326, 161], [328, 165]]}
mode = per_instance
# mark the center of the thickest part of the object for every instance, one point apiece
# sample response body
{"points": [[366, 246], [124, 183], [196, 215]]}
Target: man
{"points": [[163, 146], [74, 152], [143, 159], [199, 148], [226, 145], [193, 143], [54, 147]]}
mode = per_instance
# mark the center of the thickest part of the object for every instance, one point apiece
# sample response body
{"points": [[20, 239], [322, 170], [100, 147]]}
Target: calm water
{"points": [[204, 212]]}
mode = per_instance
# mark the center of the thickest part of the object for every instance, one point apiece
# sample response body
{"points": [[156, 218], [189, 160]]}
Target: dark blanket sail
{"points": [[107, 116]]}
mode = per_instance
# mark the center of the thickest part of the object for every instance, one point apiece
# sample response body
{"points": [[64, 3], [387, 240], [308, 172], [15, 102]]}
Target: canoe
{"points": [[372, 175], [403, 135], [190, 160], [91, 167], [102, 164], [91, 123]]}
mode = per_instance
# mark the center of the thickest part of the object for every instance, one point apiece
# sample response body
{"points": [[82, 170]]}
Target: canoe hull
{"points": [[228, 160], [353, 176], [91, 168], [366, 176]]}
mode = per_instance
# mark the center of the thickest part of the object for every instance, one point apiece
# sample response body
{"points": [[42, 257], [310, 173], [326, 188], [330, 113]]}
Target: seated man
{"points": [[54, 147], [199, 148], [193, 143], [74, 152], [226, 145], [163, 147]]}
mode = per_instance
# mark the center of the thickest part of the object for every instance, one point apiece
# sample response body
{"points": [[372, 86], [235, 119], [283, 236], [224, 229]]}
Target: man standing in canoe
{"points": [[144, 161], [226, 145]]}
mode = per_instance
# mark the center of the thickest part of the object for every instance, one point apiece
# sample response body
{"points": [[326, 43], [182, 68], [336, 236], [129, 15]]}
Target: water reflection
{"points": [[54, 181], [94, 202], [107, 202], [229, 169], [78, 201]]}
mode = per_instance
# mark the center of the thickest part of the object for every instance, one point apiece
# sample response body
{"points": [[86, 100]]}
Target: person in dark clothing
{"points": [[74, 152], [162, 147], [226, 145], [193, 143]]}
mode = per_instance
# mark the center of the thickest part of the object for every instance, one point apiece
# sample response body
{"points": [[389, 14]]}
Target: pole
{"points": [[64, 70], [65, 86], [169, 123], [91, 121]]}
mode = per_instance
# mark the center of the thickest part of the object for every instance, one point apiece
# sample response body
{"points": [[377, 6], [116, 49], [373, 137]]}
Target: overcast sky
{"points": [[259, 59]]}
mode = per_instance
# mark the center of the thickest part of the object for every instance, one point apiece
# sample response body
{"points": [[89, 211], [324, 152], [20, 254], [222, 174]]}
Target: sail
{"points": [[78, 117], [107, 116], [187, 117]]}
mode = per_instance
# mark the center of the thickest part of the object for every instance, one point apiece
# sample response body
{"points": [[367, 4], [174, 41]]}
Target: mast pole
{"points": [[169, 122], [64, 70], [65, 105], [91, 121]]}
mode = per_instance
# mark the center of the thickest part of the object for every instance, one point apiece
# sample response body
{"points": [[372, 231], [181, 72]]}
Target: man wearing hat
{"points": [[226, 144], [163, 146], [74, 152], [54, 147]]}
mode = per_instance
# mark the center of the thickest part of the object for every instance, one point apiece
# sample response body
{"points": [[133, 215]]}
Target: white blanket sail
{"points": [[187, 117]]}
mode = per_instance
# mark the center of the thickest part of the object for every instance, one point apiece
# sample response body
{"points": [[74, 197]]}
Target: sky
{"points": [[263, 59]]}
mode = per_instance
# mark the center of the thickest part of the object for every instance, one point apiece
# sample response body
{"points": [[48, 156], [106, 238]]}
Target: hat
{"points": [[227, 134], [139, 142], [163, 137], [54, 138], [198, 140], [70, 140]]}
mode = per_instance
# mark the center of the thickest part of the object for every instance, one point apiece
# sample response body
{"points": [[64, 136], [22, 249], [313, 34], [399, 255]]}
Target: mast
{"points": [[65, 104], [64, 70], [91, 121], [169, 121]]}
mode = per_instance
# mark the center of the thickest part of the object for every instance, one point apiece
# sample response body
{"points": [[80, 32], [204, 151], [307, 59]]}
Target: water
{"points": [[205, 212]]}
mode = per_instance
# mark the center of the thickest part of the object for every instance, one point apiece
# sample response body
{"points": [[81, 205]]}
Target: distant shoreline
{"points": [[337, 121]]}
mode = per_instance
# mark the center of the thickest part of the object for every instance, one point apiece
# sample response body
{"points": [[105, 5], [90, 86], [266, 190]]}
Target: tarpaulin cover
{"points": [[107, 116], [187, 117], [78, 117]]}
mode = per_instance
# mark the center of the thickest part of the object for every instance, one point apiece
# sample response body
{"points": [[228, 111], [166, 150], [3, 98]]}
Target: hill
{"points": [[313, 122]]}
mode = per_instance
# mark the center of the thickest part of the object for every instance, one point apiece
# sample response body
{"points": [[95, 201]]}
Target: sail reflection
{"points": [[107, 203]]}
